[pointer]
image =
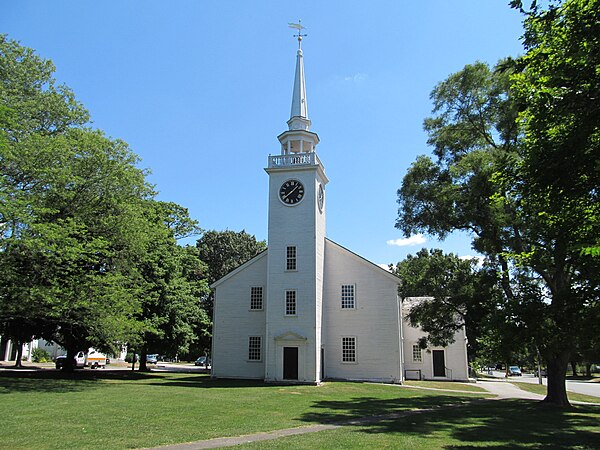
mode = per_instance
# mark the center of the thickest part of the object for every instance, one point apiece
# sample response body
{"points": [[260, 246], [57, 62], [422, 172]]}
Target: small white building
{"points": [[307, 309]]}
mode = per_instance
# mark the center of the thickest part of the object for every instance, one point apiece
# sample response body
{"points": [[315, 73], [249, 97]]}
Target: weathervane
{"points": [[298, 26]]}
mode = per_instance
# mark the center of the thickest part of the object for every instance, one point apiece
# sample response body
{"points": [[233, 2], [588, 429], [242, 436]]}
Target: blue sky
{"points": [[200, 90]]}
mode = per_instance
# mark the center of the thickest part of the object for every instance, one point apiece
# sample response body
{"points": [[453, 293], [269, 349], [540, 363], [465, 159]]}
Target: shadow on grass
{"points": [[334, 411], [58, 381], [493, 423], [80, 380]]}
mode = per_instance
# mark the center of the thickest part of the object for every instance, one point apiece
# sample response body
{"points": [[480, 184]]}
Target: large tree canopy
{"points": [[485, 180], [87, 256]]}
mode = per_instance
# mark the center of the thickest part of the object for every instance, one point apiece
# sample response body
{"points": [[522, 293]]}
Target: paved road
{"points": [[507, 390], [587, 387]]}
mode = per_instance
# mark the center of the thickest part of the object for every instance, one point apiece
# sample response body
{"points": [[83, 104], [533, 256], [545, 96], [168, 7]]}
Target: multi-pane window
{"points": [[254, 343], [348, 296], [256, 297], [416, 353], [290, 258], [349, 349], [290, 303]]}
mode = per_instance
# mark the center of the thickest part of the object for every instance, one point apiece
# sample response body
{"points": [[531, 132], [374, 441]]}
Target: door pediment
{"points": [[290, 336]]}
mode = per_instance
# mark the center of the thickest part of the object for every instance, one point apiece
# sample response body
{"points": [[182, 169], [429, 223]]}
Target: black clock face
{"points": [[321, 197], [291, 192]]}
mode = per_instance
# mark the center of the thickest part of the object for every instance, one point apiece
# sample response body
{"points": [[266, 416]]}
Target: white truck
{"points": [[94, 359]]}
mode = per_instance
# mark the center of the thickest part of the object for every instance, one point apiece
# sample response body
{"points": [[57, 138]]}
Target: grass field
{"points": [[103, 409], [541, 389]]}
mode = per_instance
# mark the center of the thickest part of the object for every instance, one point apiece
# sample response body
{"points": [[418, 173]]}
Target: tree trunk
{"points": [[557, 373], [19, 357], [70, 363], [574, 368], [588, 370], [143, 360]]}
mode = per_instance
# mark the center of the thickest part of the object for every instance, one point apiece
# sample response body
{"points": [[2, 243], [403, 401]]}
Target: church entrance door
{"points": [[290, 363], [439, 365]]}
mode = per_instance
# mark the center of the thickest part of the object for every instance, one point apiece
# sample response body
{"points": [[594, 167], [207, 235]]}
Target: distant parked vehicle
{"points": [[203, 362], [514, 371], [152, 359], [95, 359], [60, 361]]}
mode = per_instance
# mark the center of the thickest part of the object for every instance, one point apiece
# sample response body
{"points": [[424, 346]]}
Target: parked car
{"points": [[514, 371], [152, 359], [202, 361], [79, 360]]}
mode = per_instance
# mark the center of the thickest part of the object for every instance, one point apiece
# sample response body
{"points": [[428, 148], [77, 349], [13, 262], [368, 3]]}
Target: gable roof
{"points": [[239, 268], [355, 256], [366, 262]]}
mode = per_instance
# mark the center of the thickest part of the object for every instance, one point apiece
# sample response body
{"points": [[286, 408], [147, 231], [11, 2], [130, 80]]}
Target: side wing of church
{"points": [[307, 308]]}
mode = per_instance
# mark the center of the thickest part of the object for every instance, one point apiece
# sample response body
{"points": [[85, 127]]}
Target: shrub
{"points": [[39, 355]]}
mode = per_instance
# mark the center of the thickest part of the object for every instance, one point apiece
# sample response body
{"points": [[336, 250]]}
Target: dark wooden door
{"points": [[290, 363], [439, 365]]}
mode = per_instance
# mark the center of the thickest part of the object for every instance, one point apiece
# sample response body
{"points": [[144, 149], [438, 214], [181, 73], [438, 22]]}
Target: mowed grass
{"points": [[541, 389], [121, 409], [505, 424], [104, 409], [446, 385]]}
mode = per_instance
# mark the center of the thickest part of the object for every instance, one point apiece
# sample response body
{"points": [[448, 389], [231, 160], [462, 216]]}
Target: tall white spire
{"points": [[299, 103], [298, 138], [299, 115]]}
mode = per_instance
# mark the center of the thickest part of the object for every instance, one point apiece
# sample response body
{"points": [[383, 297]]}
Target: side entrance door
{"points": [[290, 363], [439, 365]]}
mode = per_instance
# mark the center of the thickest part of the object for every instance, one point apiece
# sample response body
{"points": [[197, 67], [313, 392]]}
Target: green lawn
{"points": [[103, 409], [506, 424], [541, 389], [446, 385]]}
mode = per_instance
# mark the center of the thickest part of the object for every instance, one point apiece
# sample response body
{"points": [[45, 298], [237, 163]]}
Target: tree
{"points": [[458, 294], [478, 184], [70, 213], [173, 284], [224, 251]]}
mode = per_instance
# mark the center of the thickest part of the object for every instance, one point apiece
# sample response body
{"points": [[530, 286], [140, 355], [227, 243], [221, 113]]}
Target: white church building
{"points": [[308, 309]]}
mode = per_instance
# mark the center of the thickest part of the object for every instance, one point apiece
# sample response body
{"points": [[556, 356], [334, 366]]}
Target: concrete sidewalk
{"points": [[504, 389]]}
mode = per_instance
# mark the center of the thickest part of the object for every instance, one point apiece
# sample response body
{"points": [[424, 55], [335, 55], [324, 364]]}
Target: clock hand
{"points": [[291, 192]]}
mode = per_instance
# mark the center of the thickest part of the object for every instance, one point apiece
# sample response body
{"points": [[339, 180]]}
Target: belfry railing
{"points": [[294, 159]]}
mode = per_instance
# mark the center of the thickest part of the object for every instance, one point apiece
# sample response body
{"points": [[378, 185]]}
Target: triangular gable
{"points": [[366, 262], [290, 336], [239, 269]]}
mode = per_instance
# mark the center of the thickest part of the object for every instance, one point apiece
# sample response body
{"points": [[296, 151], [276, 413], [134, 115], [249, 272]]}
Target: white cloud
{"points": [[356, 78], [385, 267], [417, 239]]}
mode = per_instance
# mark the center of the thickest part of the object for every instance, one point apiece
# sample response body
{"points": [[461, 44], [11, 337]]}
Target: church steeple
{"points": [[298, 138], [299, 103]]}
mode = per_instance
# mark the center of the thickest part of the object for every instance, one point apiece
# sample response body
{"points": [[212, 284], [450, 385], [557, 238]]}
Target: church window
{"points": [[290, 303], [256, 297], [416, 353], [348, 296], [291, 258], [254, 344], [348, 349]]}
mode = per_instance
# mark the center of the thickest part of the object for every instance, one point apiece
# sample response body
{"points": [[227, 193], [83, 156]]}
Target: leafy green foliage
{"points": [[457, 294], [498, 180], [87, 256], [39, 355], [224, 251], [172, 286]]}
